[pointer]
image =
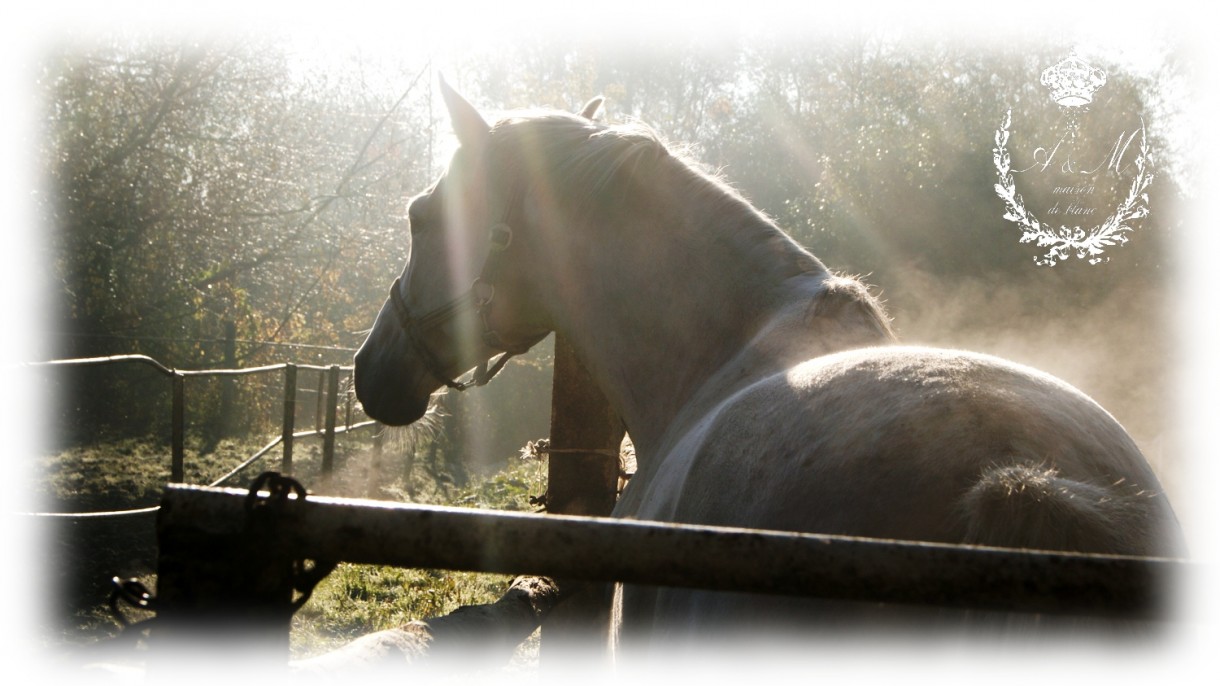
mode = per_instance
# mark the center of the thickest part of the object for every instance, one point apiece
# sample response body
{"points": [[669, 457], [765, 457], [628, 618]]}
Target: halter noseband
{"points": [[478, 298]]}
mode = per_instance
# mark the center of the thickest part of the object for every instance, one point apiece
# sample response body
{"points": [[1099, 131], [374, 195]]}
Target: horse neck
{"points": [[676, 306]]}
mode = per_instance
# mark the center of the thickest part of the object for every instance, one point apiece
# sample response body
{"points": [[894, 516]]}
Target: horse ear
{"points": [[591, 107], [468, 124]]}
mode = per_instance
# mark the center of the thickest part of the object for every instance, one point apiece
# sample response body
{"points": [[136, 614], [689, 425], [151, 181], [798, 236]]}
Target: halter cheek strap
{"points": [[478, 298]]}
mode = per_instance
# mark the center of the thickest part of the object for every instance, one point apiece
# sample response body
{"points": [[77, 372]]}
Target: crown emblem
{"points": [[1073, 82]]}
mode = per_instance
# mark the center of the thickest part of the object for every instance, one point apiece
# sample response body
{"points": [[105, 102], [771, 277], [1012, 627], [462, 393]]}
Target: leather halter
{"points": [[478, 298]]}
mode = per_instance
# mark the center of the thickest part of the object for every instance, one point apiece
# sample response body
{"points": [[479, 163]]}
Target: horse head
{"points": [[464, 295]]}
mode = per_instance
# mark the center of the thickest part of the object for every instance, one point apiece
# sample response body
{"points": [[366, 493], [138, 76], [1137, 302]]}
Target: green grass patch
{"points": [[358, 599], [351, 601]]}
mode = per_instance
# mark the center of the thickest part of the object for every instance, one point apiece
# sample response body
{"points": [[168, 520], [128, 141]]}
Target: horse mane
{"points": [[847, 298], [583, 163], [591, 167]]}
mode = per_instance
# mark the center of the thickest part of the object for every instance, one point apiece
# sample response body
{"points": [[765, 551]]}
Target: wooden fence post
{"points": [[332, 408], [582, 479], [582, 473], [224, 590], [228, 388], [317, 422], [290, 415], [177, 470]]}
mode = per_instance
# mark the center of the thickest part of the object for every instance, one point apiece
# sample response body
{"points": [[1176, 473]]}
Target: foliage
{"points": [[195, 186]]}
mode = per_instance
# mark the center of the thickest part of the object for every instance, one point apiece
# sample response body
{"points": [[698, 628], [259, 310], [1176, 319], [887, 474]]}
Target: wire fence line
{"points": [[180, 339], [172, 371], [326, 428]]}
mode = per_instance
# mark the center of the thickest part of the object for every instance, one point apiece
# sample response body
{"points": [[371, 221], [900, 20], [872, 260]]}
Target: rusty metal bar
{"points": [[713, 558]]}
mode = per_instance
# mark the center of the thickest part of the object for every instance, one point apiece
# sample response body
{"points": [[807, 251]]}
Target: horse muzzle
{"points": [[388, 390]]}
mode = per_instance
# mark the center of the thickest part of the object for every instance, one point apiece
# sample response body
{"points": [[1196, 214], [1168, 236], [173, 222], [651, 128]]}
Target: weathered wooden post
{"points": [[228, 385], [290, 415], [225, 585], [177, 469], [317, 421], [583, 472], [332, 409]]}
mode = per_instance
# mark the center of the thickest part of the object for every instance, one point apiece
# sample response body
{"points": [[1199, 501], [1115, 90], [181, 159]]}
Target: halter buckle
{"points": [[483, 293], [500, 236]]}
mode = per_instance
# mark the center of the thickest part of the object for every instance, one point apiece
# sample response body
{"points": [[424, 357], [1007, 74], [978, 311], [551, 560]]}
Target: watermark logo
{"points": [[1074, 183]]}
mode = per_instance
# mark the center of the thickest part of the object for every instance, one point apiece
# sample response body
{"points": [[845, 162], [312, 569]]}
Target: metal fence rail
{"points": [[704, 557]]}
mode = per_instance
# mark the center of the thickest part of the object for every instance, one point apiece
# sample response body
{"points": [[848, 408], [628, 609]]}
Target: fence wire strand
{"points": [[172, 372]]}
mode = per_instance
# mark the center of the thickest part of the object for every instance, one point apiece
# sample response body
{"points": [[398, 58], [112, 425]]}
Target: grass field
{"points": [[84, 554]]}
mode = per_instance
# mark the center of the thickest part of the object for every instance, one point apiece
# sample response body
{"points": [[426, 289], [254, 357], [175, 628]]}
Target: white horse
{"points": [[761, 390]]}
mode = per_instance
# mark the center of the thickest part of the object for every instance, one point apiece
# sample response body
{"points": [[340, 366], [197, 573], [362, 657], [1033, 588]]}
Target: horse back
{"points": [[918, 444]]}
